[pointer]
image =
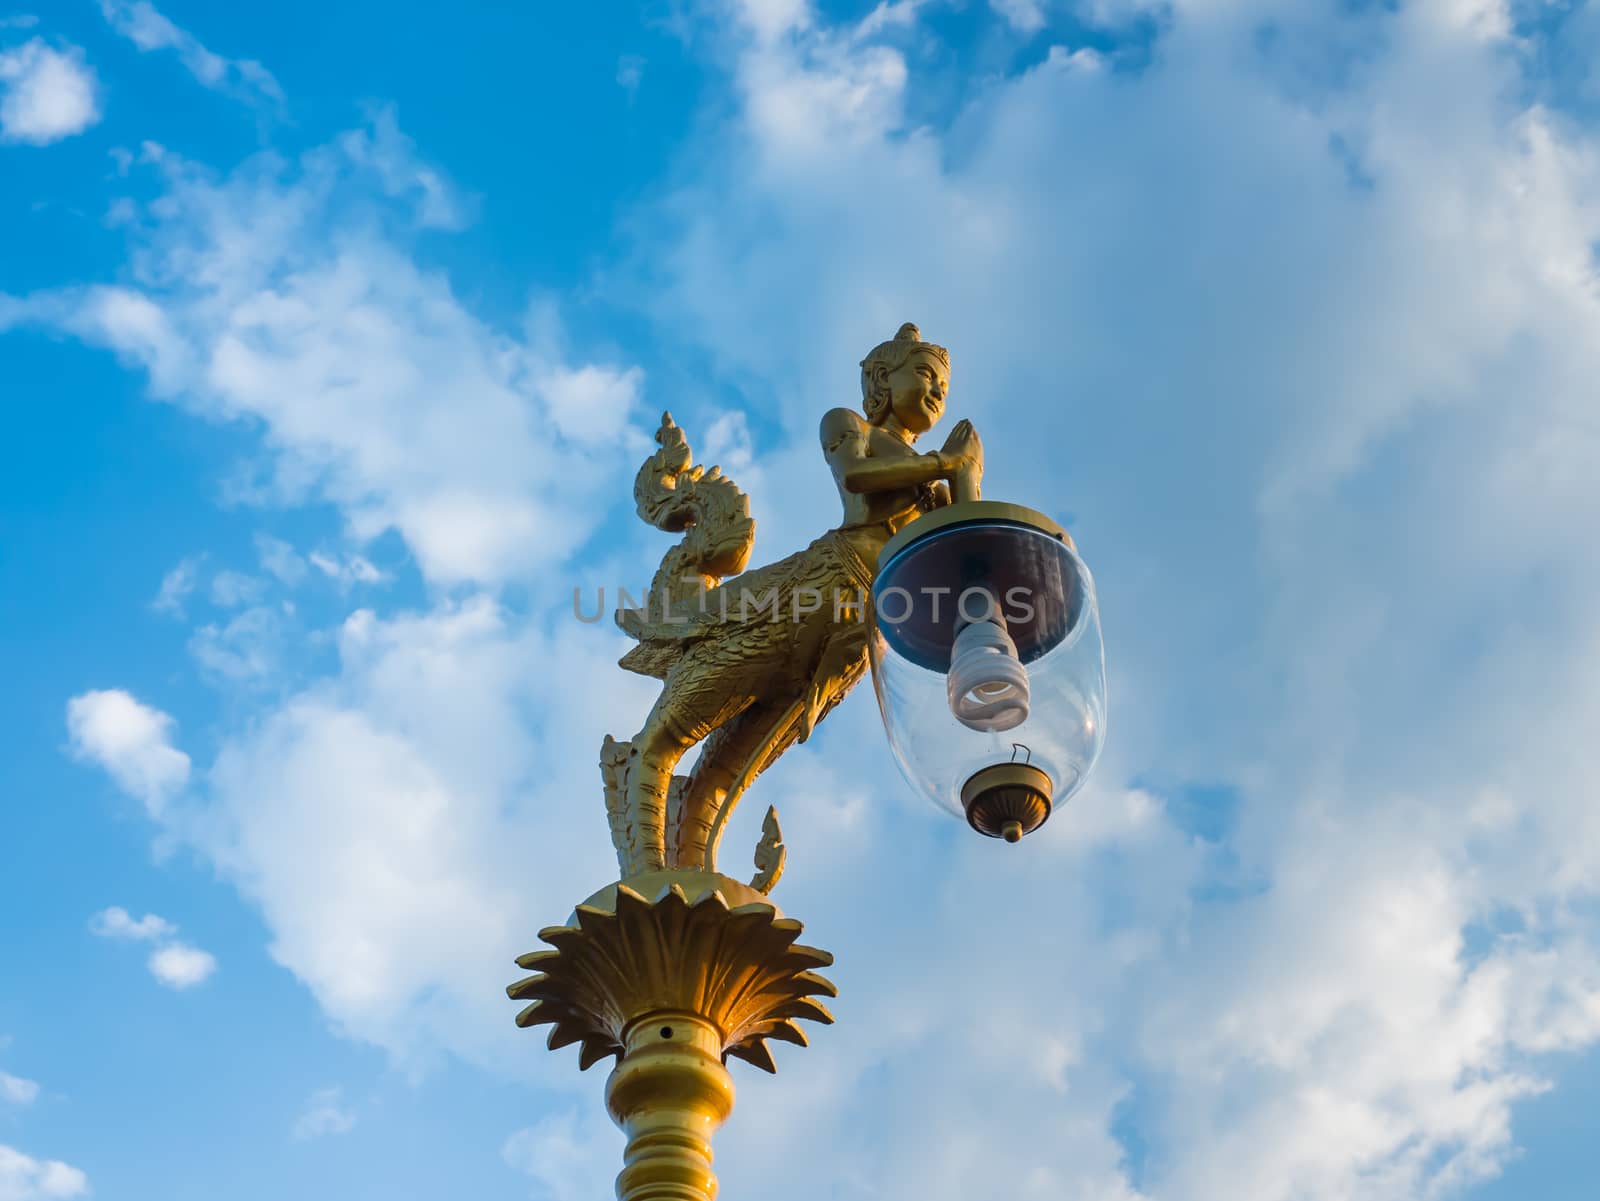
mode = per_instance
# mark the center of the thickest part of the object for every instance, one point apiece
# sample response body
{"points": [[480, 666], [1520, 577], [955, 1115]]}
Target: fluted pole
{"points": [[669, 1095]]}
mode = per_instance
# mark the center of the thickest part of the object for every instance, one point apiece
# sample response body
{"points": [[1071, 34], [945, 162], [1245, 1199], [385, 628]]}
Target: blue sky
{"points": [[332, 336]]}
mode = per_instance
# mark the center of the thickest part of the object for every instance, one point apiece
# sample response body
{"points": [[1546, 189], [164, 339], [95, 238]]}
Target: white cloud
{"points": [[180, 966], [45, 94], [16, 1090], [1118, 14], [230, 589], [323, 1115], [1025, 16], [770, 20], [381, 820], [348, 570], [132, 742], [590, 405], [176, 586], [391, 156], [1081, 59], [23, 1178], [131, 324], [142, 24], [630, 73], [889, 14], [116, 922], [287, 296], [175, 964], [280, 560], [806, 97], [565, 1154], [726, 443], [249, 649]]}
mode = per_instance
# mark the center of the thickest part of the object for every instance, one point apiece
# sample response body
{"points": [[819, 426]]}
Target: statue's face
{"points": [[917, 390]]}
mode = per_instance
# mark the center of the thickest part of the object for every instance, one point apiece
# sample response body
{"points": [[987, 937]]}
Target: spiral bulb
{"points": [[987, 684]]}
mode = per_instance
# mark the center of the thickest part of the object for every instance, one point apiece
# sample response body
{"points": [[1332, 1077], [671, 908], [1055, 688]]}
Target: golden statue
{"points": [[676, 968], [751, 661]]}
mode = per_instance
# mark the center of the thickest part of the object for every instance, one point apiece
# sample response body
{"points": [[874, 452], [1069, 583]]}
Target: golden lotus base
{"points": [[672, 973]]}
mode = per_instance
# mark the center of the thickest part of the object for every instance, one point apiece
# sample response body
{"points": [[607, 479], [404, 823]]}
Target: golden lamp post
{"points": [[979, 623]]}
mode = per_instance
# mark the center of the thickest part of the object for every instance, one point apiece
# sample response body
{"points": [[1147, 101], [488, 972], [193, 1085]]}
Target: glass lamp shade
{"points": [[988, 664]]}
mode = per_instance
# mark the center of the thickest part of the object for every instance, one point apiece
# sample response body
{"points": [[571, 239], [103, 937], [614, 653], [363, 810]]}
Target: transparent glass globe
{"points": [[988, 664]]}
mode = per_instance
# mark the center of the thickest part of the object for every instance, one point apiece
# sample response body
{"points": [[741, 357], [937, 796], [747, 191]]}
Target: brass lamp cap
{"points": [[1012, 554], [1007, 800], [967, 512]]}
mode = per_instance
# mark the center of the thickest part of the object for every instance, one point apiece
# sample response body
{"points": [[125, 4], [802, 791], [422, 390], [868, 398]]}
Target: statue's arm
{"points": [[844, 444]]}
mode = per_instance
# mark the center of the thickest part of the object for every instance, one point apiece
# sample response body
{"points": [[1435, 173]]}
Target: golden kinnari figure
{"points": [[676, 967]]}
